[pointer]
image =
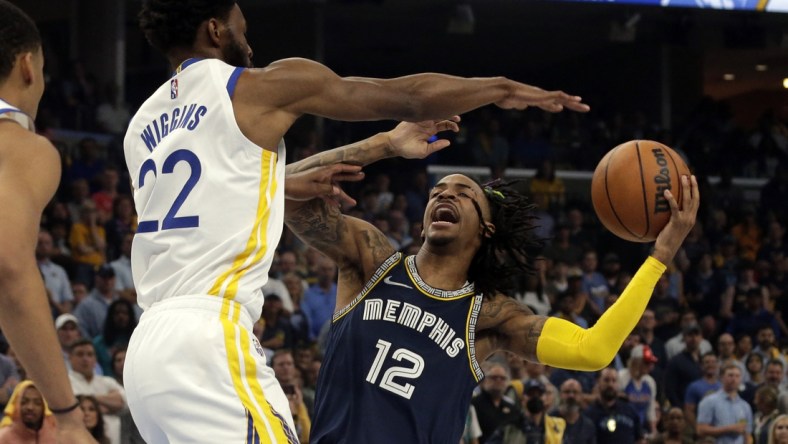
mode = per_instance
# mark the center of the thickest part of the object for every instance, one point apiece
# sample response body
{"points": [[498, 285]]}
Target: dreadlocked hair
{"points": [[510, 250], [170, 24]]}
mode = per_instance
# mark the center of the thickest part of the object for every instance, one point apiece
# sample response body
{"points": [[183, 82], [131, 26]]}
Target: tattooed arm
{"points": [[408, 140], [357, 247], [506, 324]]}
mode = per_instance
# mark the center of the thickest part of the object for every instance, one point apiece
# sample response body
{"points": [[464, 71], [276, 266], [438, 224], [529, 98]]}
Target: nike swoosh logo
{"points": [[399, 284]]}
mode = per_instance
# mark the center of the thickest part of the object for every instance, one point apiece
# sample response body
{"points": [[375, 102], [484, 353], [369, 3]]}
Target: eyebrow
{"points": [[461, 185]]}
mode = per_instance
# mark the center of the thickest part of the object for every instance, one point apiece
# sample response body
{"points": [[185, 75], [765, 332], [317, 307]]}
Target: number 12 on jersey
{"points": [[410, 372]]}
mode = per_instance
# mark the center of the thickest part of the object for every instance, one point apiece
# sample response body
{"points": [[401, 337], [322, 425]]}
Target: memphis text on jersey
{"points": [[187, 116], [414, 317]]}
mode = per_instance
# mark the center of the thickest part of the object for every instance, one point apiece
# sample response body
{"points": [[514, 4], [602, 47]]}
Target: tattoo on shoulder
{"points": [[494, 306], [532, 337], [378, 244]]}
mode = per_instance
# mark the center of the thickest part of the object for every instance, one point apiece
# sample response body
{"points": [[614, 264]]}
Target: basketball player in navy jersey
{"points": [[408, 333], [29, 174], [207, 162]]}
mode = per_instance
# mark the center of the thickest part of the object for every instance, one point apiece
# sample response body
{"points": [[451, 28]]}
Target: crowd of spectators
{"points": [[707, 361]]}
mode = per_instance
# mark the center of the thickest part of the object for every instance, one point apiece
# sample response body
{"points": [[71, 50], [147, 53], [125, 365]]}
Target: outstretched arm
{"points": [[301, 86], [29, 174], [560, 343]]}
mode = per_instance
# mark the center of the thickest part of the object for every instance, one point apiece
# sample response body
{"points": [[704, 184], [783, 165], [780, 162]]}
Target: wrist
{"points": [[65, 410]]}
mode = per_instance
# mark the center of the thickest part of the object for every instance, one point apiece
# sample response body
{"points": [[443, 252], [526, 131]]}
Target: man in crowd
{"points": [[724, 415], [616, 421], [493, 409], [27, 419]]}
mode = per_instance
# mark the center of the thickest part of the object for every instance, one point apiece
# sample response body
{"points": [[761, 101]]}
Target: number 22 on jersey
{"points": [[387, 381], [170, 220]]}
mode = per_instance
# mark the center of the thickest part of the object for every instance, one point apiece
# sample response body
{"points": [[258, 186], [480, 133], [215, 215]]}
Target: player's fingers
{"points": [[695, 191], [686, 193], [342, 197], [437, 146], [448, 125], [339, 168], [348, 177], [674, 206]]}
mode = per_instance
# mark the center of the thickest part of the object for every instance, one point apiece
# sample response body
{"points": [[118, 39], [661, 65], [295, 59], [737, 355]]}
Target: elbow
{"points": [[595, 361]]}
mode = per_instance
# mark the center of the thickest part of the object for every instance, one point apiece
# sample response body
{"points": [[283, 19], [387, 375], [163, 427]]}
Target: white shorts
{"points": [[195, 373]]}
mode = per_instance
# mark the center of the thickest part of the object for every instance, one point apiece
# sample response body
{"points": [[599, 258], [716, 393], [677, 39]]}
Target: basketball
{"points": [[628, 186]]}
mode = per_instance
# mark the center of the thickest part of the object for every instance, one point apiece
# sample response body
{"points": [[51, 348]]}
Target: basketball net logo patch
{"points": [[174, 88]]}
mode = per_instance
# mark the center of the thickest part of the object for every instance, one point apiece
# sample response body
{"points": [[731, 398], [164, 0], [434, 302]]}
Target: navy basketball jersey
{"points": [[400, 364]]}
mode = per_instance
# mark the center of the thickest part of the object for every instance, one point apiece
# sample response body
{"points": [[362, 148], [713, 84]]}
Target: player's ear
{"points": [[26, 67], [214, 32]]}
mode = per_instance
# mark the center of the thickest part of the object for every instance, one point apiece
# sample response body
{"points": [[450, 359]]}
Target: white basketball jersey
{"points": [[210, 202], [10, 112]]}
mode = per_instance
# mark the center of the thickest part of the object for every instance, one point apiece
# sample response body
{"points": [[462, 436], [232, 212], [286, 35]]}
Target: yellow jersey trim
{"points": [[434, 293], [379, 273]]}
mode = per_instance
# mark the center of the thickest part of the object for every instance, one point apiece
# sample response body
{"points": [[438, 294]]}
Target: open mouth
{"points": [[445, 215]]}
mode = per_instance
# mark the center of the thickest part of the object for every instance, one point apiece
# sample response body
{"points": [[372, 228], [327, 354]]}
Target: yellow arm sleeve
{"points": [[565, 345]]}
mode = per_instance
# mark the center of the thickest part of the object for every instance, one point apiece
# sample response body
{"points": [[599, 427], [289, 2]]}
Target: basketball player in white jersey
{"points": [[207, 164], [29, 175]]}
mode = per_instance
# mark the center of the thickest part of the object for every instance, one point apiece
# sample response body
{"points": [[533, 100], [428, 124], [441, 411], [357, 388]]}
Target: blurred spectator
{"points": [[778, 433], [89, 164], [88, 241], [27, 418], [531, 290], [277, 287], [472, 432], [546, 184], [750, 320], [110, 395], [723, 415], [118, 327], [565, 305], [68, 332], [677, 344], [92, 311], [747, 234], [493, 409], [80, 194], [384, 194], [578, 234], [112, 114], [9, 378], [726, 353], [579, 429], [646, 329], [755, 367], [106, 193], [615, 420], [129, 433], [684, 367], [285, 370], [55, 277], [124, 280], [774, 375], [298, 320], [675, 429], [593, 284], [93, 417], [765, 413], [639, 387], [704, 285], [320, 299], [489, 147], [276, 332], [534, 423], [561, 249], [767, 345], [700, 388], [122, 223]]}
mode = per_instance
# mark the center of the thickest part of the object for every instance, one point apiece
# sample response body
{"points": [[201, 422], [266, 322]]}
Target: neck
{"points": [[444, 270], [176, 57], [572, 417], [14, 93]]}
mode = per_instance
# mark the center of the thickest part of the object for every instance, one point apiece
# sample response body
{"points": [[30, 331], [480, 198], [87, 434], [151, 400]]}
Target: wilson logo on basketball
{"points": [[662, 179]]}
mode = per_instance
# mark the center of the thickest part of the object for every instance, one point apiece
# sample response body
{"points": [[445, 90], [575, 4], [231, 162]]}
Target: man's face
{"points": [[710, 365], [496, 381], [83, 360], [31, 410], [287, 262], [765, 338], [648, 321], [284, 368], [44, 246], [451, 214], [725, 345], [731, 379], [674, 421], [608, 384], [570, 390], [692, 339], [105, 284], [68, 334], [235, 49], [774, 374]]}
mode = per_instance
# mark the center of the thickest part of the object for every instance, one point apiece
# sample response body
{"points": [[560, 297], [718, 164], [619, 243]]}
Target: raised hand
{"points": [[321, 181], [411, 140], [553, 101], [681, 220]]}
